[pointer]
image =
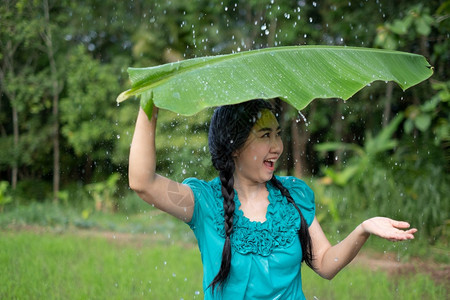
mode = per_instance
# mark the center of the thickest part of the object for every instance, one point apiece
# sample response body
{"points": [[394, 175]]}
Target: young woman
{"points": [[253, 228]]}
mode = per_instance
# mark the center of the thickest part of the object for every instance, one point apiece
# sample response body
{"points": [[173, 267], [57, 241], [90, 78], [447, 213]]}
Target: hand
{"points": [[388, 229]]}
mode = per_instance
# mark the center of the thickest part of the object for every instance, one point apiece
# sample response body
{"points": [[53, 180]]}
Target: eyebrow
{"points": [[268, 129]]}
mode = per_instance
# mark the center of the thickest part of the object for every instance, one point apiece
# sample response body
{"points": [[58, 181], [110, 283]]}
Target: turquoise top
{"points": [[266, 256]]}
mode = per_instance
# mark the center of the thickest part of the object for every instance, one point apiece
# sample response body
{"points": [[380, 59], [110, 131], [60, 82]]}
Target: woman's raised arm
{"points": [[169, 196]]}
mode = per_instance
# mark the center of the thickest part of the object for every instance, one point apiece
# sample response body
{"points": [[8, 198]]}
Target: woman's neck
{"points": [[249, 191]]}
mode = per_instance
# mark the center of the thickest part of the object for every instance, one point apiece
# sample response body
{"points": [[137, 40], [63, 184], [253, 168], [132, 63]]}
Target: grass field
{"points": [[39, 263], [73, 266], [60, 252]]}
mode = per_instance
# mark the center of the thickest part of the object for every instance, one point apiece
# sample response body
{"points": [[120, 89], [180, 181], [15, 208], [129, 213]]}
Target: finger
{"points": [[400, 224], [405, 236], [411, 231]]}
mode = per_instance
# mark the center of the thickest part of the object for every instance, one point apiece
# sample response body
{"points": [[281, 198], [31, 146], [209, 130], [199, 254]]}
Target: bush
{"points": [[418, 197]]}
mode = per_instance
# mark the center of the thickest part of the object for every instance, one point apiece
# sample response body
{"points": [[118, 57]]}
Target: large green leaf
{"points": [[295, 74]]}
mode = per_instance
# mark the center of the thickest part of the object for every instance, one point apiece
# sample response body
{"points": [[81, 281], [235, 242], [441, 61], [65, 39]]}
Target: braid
{"points": [[227, 180], [303, 233]]}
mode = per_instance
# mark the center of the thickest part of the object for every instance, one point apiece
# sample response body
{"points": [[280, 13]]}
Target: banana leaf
{"points": [[296, 74]]}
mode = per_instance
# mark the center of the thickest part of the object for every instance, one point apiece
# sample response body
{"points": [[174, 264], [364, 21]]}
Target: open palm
{"points": [[389, 229]]}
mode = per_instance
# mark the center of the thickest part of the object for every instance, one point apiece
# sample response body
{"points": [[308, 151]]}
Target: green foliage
{"points": [[5, 198], [326, 203], [182, 146], [366, 156], [407, 191], [103, 192], [35, 213], [28, 191], [85, 122], [412, 189], [294, 74], [433, 114], [417, 21]]}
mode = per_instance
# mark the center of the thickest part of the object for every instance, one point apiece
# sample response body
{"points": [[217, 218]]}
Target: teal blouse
{"points": [[266, 256]]}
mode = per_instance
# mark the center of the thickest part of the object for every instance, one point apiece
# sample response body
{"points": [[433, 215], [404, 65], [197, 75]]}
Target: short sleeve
{"points": [[201, 190], [303, 196]]}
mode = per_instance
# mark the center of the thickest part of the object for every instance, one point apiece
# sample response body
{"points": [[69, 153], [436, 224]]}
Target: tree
{"points": [[18, 46], [47, 36]]}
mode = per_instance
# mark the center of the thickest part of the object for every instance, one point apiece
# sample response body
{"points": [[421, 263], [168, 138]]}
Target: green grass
{"points": [[84, 264], [356, 282], [69, 266]]}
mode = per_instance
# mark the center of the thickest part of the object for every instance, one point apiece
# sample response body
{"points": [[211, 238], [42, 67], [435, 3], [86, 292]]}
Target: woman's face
{"points": [[255, 161]]}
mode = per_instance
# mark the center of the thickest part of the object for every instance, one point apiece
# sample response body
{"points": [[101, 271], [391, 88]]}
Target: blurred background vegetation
{"points": [[64, 141]]}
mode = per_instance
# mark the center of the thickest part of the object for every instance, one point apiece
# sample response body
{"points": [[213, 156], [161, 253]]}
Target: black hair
{"points": [[229, 129]]}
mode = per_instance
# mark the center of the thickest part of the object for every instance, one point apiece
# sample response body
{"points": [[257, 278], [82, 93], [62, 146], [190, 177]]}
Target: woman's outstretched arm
{"points": [[170, 196], [329, 260]]}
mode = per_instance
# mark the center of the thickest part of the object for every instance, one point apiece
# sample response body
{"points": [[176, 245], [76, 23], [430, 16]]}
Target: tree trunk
{"points": [[297, 148], [47, 36], [337, 128], [8, 67], [15, 167], [300, 140], [387, 104]]}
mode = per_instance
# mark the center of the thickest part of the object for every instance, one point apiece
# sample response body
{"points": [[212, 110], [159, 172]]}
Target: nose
{"points": [[276, 145]]}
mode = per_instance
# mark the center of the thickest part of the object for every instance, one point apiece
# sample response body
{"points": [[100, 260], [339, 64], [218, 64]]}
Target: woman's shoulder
{"points": [[291, 182], [201, 184], [203, 189]]}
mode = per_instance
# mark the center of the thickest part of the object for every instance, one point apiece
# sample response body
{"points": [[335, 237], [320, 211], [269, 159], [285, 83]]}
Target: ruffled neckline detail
{"points": [[279, 230]]}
